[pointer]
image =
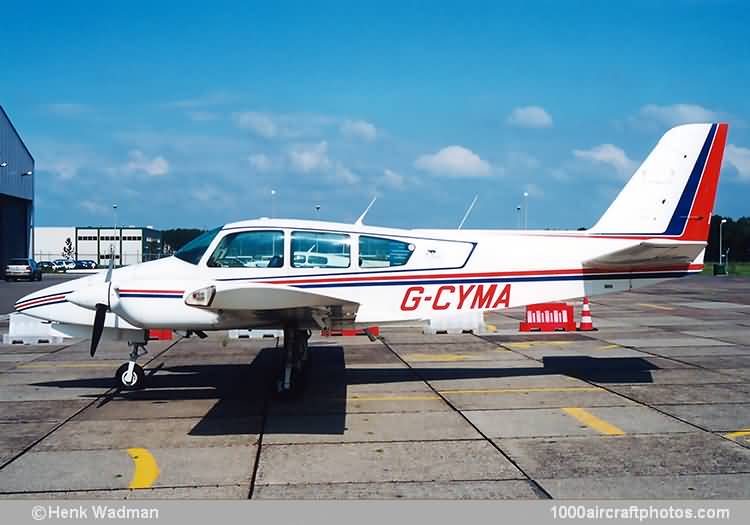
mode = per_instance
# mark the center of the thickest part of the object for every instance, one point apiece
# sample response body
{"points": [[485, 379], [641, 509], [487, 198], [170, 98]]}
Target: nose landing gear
{"points": [[130, 376]]}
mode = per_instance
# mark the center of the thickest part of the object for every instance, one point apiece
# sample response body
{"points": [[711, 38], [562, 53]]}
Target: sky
{"points": [[197, 114]]}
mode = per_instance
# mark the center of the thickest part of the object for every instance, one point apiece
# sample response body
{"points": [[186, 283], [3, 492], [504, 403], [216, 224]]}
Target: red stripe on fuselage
{"points": [[41, 300], [578, 271], [153, 291]]}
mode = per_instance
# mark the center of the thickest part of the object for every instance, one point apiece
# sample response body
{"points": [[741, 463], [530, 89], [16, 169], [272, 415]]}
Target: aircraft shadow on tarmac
{"points": [[243, 390]]}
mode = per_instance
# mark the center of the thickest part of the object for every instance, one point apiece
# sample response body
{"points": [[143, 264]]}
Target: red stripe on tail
{"points": [[703, 205]]}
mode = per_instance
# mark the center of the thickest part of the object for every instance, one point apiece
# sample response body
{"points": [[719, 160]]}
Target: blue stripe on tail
{"points": [[682, 211]]}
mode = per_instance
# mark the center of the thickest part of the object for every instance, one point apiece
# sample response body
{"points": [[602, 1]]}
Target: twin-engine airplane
{"points": [[301, 275]]}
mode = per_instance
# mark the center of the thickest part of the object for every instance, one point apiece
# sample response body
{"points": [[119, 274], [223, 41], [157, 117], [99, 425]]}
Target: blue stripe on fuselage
{"points": [[604, 277]]}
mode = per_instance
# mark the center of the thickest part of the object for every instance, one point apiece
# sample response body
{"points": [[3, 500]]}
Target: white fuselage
{"points": [[448, 272]]}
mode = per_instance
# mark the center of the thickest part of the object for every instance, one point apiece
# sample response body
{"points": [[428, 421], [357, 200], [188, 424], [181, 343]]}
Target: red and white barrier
{"points": [[548, 317]]}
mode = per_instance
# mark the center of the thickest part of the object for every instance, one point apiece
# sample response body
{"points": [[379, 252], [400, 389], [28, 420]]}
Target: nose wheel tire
{"points": [[130, 380]]}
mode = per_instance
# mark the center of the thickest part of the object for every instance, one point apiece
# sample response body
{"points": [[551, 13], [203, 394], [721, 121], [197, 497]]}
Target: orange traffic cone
{"points": [[586, 324]]}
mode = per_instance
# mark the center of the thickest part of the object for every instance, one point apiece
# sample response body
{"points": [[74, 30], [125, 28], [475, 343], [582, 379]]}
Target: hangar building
{"points": [[16, 193], [131, 245]]}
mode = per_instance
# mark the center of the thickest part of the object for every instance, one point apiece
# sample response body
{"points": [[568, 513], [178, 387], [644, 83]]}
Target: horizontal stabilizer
{"points": [[651, 253]]}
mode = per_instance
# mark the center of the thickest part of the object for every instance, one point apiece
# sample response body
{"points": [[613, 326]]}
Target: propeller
{"points": [[101, 309], [96, 334]]}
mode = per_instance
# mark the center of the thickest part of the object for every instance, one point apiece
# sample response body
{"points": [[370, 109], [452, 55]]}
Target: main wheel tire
{"points": [[136, 382]]}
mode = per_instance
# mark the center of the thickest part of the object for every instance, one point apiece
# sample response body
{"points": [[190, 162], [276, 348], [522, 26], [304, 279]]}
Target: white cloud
{"points": [[739, 158], [66, 160], [519, 160], [359, 129], [393, 179], [211, 99], [530, 117], [676, 114], [66, 109], [95, 208], [453, 161], [261, 124], [345, 175], [202, 116], [534, 190], [260, 162], [213, 195], [65, 168], [139, 163], [608, 154], [305, 158]]}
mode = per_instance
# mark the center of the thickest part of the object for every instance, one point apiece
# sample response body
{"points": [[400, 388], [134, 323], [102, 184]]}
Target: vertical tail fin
{"points": [[672, 194]]}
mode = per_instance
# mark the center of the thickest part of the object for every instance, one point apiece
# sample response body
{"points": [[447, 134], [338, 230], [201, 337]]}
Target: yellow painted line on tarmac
{"points": [[436, 357], [146, 471], [734, 436], [388, 397], [591, 421], [657, 306], [609, 347], [531, 390], [469, 391], [69, 365], [525, 345]]}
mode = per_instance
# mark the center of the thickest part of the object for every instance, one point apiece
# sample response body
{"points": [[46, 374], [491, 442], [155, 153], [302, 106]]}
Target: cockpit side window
{"points": [[378, 252], [320, 250], [194, 250], [249, 249]]}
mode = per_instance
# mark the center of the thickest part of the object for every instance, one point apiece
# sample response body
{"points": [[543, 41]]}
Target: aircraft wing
{"points": [[281, 303], [651, 253]]}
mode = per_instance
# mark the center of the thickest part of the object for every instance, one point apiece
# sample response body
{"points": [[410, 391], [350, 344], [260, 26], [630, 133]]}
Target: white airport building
{"points": [[131, 245]]}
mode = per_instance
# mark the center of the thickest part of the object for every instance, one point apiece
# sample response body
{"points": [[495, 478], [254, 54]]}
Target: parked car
{"points": [[58, 265], [46, 266], [68, 264], [23, 269], [86, 264]]}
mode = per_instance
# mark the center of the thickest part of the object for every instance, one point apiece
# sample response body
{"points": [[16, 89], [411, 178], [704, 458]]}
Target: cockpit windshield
{"points": [[194, 250]]}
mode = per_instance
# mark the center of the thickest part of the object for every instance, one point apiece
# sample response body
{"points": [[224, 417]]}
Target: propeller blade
{"points": [[111, 264], [96, 333]]}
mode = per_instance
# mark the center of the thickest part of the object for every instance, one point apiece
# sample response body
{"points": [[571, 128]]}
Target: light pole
{"points": [[112, 251], [273, 194], [33, 210], [721, 252], [525, 210], [518, 210]]}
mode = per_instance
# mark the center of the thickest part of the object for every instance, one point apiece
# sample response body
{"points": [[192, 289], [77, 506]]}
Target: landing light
{"points": [[201, 297]]}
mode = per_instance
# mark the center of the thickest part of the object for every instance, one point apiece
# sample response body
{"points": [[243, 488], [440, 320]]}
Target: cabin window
{"points": [[250, 249], [320, 250], [377, 252], [194, 250]]}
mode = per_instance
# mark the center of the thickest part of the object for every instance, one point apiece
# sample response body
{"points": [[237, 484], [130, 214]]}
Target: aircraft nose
{"points": [[89, 296], [40, 298]]}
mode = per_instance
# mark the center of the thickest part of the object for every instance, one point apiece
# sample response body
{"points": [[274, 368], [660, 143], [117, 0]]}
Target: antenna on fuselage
{"points": [[362, 217], [468, 211]]}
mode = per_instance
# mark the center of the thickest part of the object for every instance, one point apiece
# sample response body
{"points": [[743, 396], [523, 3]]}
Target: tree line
{"points": [[735, 238], [173, 240]]}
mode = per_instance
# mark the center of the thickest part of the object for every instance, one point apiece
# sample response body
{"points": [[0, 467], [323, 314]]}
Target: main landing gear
{"points": [[130, 375], [296, 356]]}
